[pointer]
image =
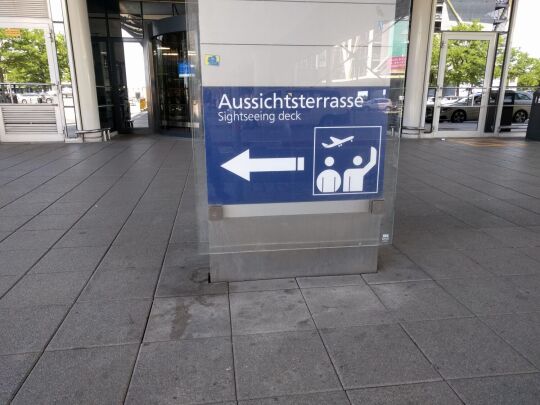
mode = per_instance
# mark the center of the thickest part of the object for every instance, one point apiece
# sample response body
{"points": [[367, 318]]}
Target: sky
{"points": [[527, 31]]}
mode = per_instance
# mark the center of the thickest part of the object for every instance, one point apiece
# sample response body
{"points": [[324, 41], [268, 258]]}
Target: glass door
{"points": [[172, 71], [463, 83]]}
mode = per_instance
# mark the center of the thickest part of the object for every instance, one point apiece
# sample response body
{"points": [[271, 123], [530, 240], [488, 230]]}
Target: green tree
{"points": [[23, 58], [63, 61], [435, 56], [466, 60], [522, 68]]}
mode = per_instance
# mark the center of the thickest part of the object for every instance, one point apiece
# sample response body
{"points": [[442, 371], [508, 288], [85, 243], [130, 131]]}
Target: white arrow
{"points": [[242, 165]]}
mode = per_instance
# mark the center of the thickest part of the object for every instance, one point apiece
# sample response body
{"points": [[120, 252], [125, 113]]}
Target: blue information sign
{"points": [[184, 69], [273, 144]]}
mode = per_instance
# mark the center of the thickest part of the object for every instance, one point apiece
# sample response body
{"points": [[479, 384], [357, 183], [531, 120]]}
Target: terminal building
{"points": [[135, 66]]}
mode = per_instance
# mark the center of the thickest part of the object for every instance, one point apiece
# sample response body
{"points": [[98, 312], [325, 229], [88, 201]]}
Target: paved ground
{"points": [[104, 300]]}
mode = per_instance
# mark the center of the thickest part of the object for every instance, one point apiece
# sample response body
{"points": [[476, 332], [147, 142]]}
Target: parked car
{"points": [[379, 104], [29, 98], [48, 97], [468, 108]]}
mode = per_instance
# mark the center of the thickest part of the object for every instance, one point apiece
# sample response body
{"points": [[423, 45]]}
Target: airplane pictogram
{"points": [[337, 142]]}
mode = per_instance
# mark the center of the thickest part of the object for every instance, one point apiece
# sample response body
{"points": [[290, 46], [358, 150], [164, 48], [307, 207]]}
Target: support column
{"points": [[83, 61], [418, 67]]}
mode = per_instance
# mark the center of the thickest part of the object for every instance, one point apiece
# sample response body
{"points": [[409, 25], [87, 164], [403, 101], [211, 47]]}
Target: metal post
{"points": [[506, 66]]}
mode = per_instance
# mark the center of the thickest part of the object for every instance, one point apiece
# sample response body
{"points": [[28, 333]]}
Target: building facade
{"points": [[135, 66]]}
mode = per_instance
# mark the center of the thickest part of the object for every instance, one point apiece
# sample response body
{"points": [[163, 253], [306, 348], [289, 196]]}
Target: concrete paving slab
{"points": [[143, 235], [263, 285], [98, 375], [531, 252], [438, 393], [395, 268], [183, 372], [6, 282], [468, 238], [367, 356], [18, 262], [27, 208], [521, 389], [152, 205], [46, 222], [447, 263], [9, 224], [45, 289], [24, 330], [495, 295], [30, 240], [473, 216], [418, 239], [530, 285], [91, 324], [13, 370], [461, 348], [164, 219], [179, 282], [62, 260], [78, 237], [67, 208], [120, 285], [320, 398], [521, 331], [186, 256], [282, 364], [269, 311], [330, 281], [419, 300], [134, 256], [336, 307], [514, 236], [188, 317], [504, 261]]}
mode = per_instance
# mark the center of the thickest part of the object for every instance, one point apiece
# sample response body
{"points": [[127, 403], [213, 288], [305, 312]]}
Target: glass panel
{"points": [[465, 71], [131, 27], [96, 8], [150, 8], [136, 85], [62, 53], [467, 15], [328, 116], [28, 93], [23, 56], [130, 7], [106, 116], [56, 10], [104, 95], [115, 28], [98, 27], [101, 62], [69, 110], [172, 71]]}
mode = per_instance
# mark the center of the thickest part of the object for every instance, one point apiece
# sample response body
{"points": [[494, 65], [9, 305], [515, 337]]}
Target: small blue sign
{"points": [[212, 60], [271, 145], [184, 69]]}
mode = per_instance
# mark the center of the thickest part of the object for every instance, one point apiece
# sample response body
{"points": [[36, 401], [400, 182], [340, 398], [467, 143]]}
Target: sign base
{"points": [[293, 263]]}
